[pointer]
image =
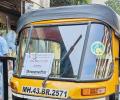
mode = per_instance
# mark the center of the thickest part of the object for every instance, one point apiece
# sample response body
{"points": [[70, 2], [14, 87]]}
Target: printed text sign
{"points": [[37, 64]]}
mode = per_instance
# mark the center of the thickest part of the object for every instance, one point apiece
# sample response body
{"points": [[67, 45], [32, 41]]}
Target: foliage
{"points": [[59, 3], [114, 4], [77, 2], [68, 2]]}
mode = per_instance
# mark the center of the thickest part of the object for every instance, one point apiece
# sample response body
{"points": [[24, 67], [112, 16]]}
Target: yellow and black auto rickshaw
{"points": [[67, 53]]}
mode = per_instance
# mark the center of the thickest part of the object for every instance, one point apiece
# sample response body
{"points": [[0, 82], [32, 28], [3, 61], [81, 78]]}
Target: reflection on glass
{"points": [[104, 63], [98, 66]]}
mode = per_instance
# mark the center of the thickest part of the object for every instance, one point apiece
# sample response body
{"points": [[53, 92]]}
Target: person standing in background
{"points": [[3, 46], [11, 38]]}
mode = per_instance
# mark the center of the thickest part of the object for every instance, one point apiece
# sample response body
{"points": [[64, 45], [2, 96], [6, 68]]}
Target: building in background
{"points": [[104, 63], [99, 2], [11, 10], [32, 5], [9, 14]]}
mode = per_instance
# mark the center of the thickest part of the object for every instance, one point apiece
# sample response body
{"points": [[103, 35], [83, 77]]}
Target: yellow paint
{"points": [[62, 21], [73, 88], [115, 44]]}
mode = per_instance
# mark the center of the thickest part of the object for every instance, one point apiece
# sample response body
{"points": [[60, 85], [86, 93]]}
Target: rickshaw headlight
{"points": [[13, 86], [92, 91]]}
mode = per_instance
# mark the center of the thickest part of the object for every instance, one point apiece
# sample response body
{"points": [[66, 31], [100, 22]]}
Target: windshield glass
{"points": [[98, 63], [47, 46]]}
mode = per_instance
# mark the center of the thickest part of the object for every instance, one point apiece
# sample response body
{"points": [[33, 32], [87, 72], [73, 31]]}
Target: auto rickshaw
{"points": [[67, 53]]}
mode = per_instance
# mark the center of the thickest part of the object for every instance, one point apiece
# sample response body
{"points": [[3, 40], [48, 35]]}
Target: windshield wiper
{"points": [[69, 52], [71, 49], [45, 80], [63, 58]]}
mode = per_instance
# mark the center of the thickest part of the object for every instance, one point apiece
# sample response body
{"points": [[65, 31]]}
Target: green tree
{"points": [[68, 2], [114, 4], [77, 2], [55, 3]]}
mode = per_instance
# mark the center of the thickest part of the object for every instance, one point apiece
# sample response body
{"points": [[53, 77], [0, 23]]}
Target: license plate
{"points": [[44, 91]]}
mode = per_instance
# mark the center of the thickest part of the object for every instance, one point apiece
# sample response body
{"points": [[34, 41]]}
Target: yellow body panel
{"points": [[63, 21], [73, 88]]}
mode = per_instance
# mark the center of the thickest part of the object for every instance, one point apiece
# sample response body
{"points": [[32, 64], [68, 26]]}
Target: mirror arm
{"points": [[117, 58], [16, 44]]}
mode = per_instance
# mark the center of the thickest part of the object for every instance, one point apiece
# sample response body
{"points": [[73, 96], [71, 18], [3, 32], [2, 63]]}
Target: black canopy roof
{"points": [[95, 11]]}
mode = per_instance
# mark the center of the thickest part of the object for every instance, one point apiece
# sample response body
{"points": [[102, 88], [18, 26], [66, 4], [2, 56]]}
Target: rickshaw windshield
{"points": [[91, 59]]}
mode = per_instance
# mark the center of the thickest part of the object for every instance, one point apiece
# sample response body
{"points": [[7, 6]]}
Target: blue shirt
{"points": [[3, 46]]}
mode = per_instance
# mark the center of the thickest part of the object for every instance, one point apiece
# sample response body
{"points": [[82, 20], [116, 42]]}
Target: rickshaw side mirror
{"points": [[117, 58], [16, 44]]}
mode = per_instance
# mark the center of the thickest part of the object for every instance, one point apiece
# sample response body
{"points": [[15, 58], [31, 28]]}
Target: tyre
{"points": [[17, 98], [114, 97]]}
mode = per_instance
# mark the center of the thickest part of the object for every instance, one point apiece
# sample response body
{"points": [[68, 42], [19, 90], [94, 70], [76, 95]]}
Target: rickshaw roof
{"points": [[96, 11]]}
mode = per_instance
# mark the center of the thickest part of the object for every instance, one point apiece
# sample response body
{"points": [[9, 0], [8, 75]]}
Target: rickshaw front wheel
{"points": [[17, 98], [114, 96]]}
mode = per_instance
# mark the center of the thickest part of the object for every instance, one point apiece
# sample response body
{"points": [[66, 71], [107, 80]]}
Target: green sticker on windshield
{"points": [[97, 48]]}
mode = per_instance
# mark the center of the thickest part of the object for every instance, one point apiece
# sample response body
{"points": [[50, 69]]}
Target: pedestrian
{"points": [[3, 46], [11, 38]]}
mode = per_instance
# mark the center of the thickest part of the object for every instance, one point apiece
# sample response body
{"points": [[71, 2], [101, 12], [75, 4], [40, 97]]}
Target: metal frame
{"points": [[4, 61]]}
